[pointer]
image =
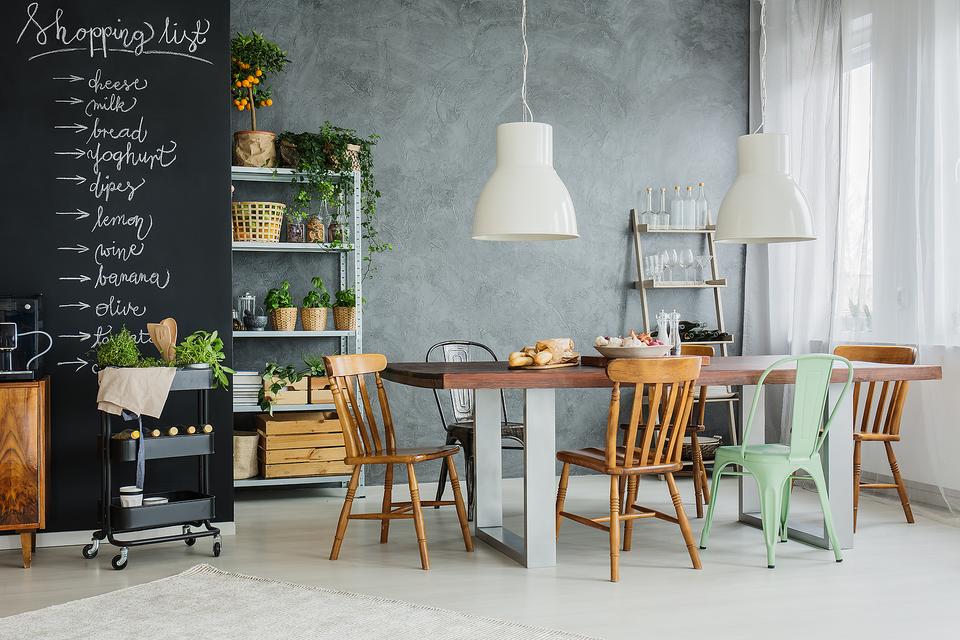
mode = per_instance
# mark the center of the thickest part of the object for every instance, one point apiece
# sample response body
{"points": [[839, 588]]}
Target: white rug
{"points": [[205, 602]]}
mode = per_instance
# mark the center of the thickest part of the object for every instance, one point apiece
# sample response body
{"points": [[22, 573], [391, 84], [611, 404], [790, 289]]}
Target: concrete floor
{"points": [[900, 579]]}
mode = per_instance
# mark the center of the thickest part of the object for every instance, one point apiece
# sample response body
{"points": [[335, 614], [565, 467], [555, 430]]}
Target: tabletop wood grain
{"points": [[733, 370]]}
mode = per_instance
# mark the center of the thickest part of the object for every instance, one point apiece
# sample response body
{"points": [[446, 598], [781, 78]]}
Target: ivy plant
{"points": [[276, 378]]}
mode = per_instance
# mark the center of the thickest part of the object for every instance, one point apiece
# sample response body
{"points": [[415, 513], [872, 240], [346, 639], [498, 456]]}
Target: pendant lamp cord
{"points": [[527, 113], [763, 64]]}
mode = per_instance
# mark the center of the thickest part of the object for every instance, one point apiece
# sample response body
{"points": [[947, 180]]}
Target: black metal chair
{"points": [[460, 431]]}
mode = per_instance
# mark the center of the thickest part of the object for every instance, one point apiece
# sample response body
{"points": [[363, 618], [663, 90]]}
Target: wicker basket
{"points": [[708, 447], [284, 319], [345, 318], [257, 221], [313, 318]]}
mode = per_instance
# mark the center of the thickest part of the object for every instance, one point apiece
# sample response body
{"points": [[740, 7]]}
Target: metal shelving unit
{"points": [[714, 284], [350, 257]]}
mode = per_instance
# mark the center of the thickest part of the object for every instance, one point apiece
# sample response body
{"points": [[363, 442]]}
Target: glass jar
{"points": [[315, 230], [296, 232]]}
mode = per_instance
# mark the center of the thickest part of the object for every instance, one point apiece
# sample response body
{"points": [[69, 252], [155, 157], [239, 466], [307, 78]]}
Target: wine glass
{"points": [[686, 257], [702, 263], [665, 264]]}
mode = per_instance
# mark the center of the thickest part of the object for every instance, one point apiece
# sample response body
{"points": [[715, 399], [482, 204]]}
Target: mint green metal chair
{"points": [[774, 466]]}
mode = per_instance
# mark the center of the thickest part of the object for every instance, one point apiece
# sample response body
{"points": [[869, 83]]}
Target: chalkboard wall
{"points": [[114, 205]]}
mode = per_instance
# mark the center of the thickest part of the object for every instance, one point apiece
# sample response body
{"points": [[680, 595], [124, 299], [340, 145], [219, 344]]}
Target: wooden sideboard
{"points": [[24, 459]]}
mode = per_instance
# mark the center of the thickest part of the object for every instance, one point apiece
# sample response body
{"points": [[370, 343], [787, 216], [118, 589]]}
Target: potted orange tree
{"points": [[253, 59]]}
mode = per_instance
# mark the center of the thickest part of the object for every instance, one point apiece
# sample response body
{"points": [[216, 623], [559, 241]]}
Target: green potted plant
{"points": [[345, 310], [279, 304], [252, 59], [205, 348], [119, 349], [276, 380], [319, 385], [313, 314]]}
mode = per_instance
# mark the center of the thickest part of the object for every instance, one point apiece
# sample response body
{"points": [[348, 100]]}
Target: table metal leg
{"points": [[536, 547], [837, 457]]}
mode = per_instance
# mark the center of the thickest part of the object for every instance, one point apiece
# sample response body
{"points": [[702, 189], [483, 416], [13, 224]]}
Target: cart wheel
{"points": [[216, 549], [119, 562], [91, 550], [190, 541]]}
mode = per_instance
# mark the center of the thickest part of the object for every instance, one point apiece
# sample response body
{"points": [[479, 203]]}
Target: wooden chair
{"points": [[652, 446], [364, 445], [886, 413]]}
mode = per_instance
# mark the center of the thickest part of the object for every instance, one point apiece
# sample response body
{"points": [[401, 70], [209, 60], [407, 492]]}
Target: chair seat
{"points": [[596, 459], [876, 437], [507, 429], [403, 456], [752, 452]]}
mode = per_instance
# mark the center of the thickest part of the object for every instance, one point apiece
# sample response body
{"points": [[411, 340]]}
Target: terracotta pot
{"points": [[313, 318], [284, 319], [345, 318], [254, 149]]}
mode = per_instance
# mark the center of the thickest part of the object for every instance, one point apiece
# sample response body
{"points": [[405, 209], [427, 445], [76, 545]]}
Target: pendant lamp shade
{"points": [[524, 199], [764, 205]]}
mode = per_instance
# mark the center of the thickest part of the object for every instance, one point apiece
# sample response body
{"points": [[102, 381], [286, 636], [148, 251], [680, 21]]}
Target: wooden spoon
{"points": [[170, 353]]}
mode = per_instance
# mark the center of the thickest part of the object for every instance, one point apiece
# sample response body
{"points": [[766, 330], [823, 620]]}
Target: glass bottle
{"points": [[689, 210], [703, 208], [647, 216], [676, 209], [663, 216]]}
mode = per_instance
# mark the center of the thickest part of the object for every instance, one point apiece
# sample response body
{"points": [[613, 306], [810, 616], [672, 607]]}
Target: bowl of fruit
{"points": [[635, 345]]}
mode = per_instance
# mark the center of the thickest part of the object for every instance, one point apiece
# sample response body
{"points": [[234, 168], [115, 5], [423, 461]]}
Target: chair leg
{"points": [[387, 501], [614, 529], [714, 487], [901, 487], [856, 481], [345, 512], [785, 509], [816, 472], [469, 466], [562, 493], [770, 486], [733, 423], [684, 523], [697, 477], [632, 483], [418, 517], [442, 480], [458, 499]]}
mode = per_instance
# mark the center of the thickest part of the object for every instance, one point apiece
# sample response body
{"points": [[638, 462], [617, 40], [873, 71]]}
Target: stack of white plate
{"points": [[246, 387]]}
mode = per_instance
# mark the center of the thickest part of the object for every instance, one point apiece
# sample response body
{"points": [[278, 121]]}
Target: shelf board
{"points": [[279, 482], [293, 334], [709, 342], [280, 408], [265, 174], [645, 228], [291, 247], [709, 284]]}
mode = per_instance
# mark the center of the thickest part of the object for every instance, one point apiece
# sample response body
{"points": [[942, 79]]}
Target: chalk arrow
{"points": [[78, 278], [78, 179], [80, 305], [78, 248], [79, 361], [80, 213], [70, 100], [76, 125], [76, 153], [70, 78], [83, 335]]}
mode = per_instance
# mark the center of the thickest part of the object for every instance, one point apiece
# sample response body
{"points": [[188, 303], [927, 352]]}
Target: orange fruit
{"points": [[239, 84], [246, 83], [259, 72], [255, 81], [269, 102]]}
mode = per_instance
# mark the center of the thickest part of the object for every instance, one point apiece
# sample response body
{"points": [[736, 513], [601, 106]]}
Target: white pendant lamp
{"points": [[524, 199], [764, 205]]}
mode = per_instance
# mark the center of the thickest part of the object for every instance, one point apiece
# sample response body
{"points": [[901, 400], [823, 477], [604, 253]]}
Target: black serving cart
{"points": [[191, 510]]}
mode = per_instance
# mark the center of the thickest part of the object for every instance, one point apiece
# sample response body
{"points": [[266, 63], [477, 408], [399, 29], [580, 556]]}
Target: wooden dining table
{"points": [[535, 546]]}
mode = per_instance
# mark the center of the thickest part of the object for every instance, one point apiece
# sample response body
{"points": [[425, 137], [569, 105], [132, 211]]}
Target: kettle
{"points": [[9, 337]]}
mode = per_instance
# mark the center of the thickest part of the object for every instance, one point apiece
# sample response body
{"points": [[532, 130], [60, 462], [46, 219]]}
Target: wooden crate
{"points": [[313, 454], [301, 469], [306, 422], [296, 393], [319, 390], [300, 440]]}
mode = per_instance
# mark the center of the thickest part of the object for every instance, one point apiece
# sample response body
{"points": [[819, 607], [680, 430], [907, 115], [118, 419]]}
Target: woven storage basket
{"points": [[708, 447], [284, 319], [345, 318], [313, 318], [257, 221], [245, 454]]}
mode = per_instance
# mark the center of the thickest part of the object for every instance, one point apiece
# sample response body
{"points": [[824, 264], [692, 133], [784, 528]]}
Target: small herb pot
{"points": [[313, 318], [345, 318], [296, 232], [284, 319]]}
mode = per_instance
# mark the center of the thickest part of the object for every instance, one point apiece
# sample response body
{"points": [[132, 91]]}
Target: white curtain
{"points": [[869, 92]]}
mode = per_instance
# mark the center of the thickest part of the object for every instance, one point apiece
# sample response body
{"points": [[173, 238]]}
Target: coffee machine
{"points": [[20, 334]]}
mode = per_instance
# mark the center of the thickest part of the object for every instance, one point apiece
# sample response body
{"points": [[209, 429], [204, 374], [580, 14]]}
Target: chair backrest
{"points": [[461, 399], [656, 428], [888, 408], [360, 432], [813, 377]]}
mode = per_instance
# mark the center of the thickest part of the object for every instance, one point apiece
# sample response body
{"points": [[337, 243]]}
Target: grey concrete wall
{"points": [[650, 92]]}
